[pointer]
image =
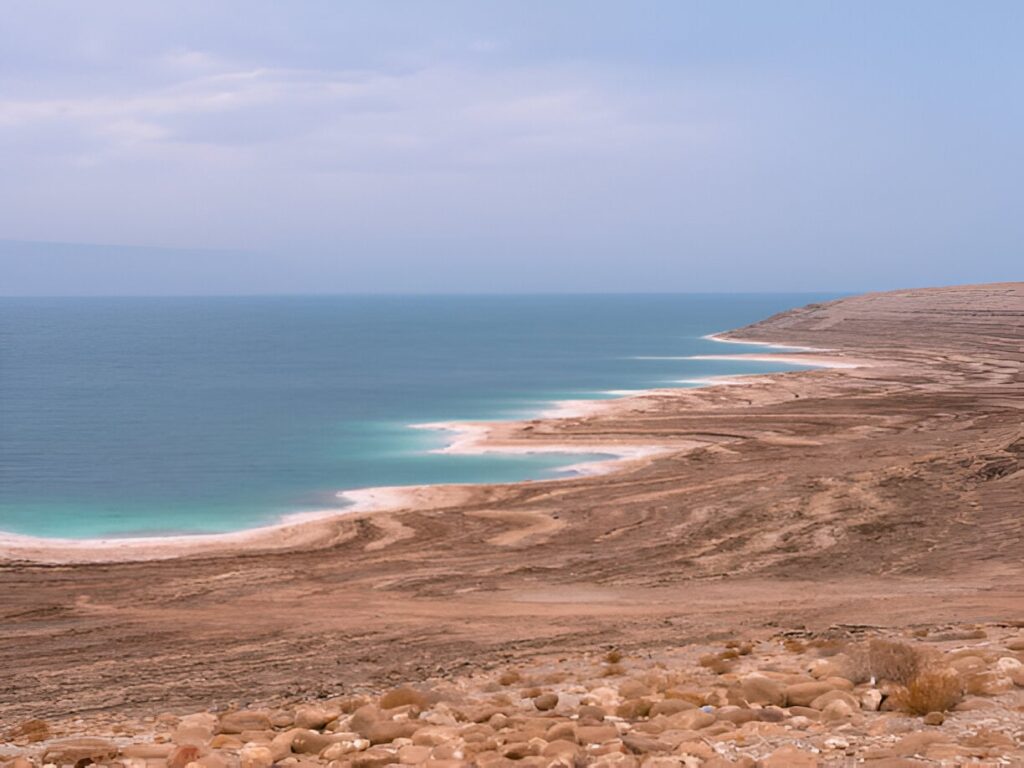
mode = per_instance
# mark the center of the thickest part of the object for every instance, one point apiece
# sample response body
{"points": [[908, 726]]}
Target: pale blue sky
{"points": [[252, 147]]}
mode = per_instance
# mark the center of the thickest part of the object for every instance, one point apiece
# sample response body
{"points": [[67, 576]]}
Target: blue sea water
{"points": [[149, 416]]}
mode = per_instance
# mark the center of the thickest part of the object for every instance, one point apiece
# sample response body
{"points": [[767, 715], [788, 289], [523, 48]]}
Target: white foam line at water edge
{"points": [[471, 435], [770, 344], [815, 362]]}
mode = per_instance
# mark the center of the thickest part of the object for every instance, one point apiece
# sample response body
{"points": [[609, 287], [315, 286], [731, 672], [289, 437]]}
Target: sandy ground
{"points": [[886, 494]]}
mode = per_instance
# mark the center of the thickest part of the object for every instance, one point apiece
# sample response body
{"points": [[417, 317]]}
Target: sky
{"points": [[527, 145]]}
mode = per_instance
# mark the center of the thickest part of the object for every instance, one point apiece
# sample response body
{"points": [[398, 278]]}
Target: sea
{"points": [[127, 417]]}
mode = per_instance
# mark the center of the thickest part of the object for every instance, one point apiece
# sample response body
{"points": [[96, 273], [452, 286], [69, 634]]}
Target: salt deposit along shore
{"points": [[795, 534]]}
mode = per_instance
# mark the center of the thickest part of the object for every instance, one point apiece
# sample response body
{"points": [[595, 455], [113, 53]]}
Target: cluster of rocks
{"points": [[775, 703]]}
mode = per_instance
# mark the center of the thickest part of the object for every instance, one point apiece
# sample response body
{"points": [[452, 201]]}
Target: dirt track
{"points": [[891, 494]]}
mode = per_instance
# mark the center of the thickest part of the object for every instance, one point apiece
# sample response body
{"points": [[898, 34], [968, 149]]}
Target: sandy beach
{"points": [[884, 491]]}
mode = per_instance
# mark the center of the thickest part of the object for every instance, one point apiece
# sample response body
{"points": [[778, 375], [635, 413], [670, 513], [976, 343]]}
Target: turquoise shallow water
{"points": [[124, 417]]}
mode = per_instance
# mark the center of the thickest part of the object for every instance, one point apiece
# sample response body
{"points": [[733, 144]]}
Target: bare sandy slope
{"points": [[888, 494]]}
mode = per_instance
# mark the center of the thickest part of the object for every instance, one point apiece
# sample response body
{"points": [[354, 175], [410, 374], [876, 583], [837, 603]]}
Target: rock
{"points": [[520, 749], [375, 757], [632, 709], [603, 697], [561, 731], [771, 715], [306, 742], [596, 734], [827, 698], [691, 720], [546, 701], [822, 668], [1016, 643], [667, 707], [736, 715], [453, 750], [1008, 664], [255, 756], [724, 762], [758, 689], [148, 751], [934, 718], [314, 718], [968, 664], [805, 712], [388, 730], [31, 731], [73, 750], [615, 760], [789, 757], [836, 711], [245, 720], [973, 704], [695, 748], [202, 719], [339, 749], [20, 762], [871, 700], [641, 745], [226, 741], [192, 735], [182, 756], [434, 735], [1017, 677], [916, 743], [561, 748], [212, 760], [281, 744], [802, 694], [989, 684], [413, 754], [404, 697]]}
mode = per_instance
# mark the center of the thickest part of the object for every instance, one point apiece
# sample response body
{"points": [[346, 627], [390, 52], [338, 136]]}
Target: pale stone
{"points": [[413, 754], [827, 698], [836, 710], [255, 756], [802, 694], [758, 689], [546, 701], [871, 699], [934, 718], [314, 718], [73, 750], [790, 757], [245, 720]]}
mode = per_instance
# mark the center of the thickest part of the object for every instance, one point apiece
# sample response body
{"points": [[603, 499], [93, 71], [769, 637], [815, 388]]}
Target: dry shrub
{"points": [[613, 656], [613, 670], [931, 689], [884, 659], [719, 663], [794, 646], [827, 646], [741, 647]]}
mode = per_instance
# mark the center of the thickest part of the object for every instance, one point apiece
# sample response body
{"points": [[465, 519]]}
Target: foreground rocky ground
{"points": [[950, 696]]}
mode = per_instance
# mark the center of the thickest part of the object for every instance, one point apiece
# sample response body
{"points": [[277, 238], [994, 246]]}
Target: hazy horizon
{"points": [[584, 147]]}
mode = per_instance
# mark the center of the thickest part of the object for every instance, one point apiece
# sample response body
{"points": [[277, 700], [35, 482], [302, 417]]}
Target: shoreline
{"points": [[308, 528]]}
